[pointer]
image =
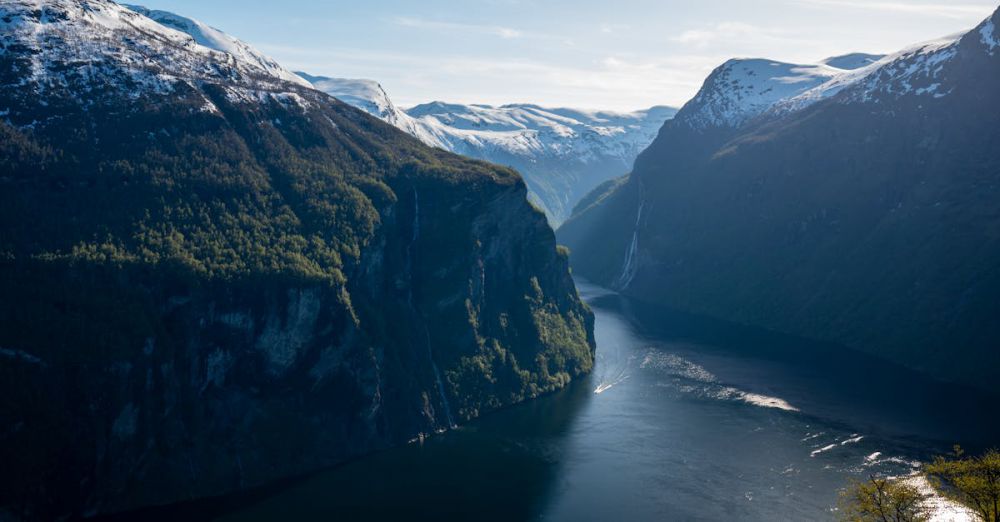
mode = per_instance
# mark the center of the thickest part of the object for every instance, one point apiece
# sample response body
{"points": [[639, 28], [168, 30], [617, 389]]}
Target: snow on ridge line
{"points": [[212, 38], [520, 130], [94, 50], [186, 32], [741, 90], [893, 73]]}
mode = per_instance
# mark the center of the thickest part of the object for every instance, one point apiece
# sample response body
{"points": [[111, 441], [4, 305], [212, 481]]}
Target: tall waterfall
{"points": [[630, 265]]}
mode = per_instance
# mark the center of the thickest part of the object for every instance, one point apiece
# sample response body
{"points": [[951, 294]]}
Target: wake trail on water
{"points": [[614, 373], [692, 378], [616, 380]]}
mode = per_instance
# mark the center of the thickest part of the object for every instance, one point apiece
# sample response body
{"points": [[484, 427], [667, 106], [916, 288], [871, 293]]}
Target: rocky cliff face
{"points": [[215, 277], [858, 210]]}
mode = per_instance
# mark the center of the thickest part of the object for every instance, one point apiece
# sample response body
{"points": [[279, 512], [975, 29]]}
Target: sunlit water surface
{"points": [[683, 419]]}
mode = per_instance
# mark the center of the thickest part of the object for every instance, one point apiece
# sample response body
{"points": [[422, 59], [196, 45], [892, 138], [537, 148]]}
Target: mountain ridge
{"points": [[855, 211], [215, 278]]}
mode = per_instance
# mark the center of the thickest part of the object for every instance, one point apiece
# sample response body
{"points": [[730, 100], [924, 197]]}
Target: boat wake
{"points": [[692, 378], [616, 378]]}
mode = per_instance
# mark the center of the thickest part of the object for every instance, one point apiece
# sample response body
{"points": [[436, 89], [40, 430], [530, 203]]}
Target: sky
{"points": [[594, 54]]}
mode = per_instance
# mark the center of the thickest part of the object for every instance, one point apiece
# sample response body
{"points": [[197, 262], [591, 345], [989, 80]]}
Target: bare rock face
{"points": [[214, 277]]}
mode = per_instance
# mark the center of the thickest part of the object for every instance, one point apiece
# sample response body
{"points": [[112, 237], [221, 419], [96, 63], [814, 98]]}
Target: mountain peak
{"points": [[217, 40], [367, 95], [98, 47], [435, 107], [742, 89]]}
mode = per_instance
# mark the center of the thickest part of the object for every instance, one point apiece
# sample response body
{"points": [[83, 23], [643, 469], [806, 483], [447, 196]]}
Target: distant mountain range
{"points": [[852, 201], [562, 153]]}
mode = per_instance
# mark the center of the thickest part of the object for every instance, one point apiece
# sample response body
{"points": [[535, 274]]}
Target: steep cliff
{"points": [[215, 277], [859, 209]]}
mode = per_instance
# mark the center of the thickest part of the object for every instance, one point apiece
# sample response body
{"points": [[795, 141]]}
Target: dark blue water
{"points": [[683, 419]]}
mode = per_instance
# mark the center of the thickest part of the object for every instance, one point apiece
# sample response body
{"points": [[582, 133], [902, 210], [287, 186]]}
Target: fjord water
{"points": [[682, 419]]}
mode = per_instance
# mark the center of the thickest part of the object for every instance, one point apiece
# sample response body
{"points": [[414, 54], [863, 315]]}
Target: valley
{"points": [[242, 285]]}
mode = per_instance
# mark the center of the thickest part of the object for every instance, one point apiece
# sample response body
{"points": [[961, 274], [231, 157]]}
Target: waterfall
{"points": [[440, 383], [427, 335], [630, 266]]}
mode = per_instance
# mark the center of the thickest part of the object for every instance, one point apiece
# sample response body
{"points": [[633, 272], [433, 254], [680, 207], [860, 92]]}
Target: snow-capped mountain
{"points": [[213, 38], [562, 153], [743, 89], [369, 96], [530, 130], [201, 249], [126, 55], [852, 201], [366, 95]]}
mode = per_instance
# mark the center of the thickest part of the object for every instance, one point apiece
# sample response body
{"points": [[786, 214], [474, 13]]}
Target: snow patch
{"points": [[988, 35], [90, 50], [212, 38], [743, 89], [520, 130]]}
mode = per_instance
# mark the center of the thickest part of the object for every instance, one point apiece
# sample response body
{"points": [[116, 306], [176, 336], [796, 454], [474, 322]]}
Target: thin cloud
{"points": [[619, 83], [608, 66], [730, 32], [494, 30], [956, 11], [614, 28]]}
